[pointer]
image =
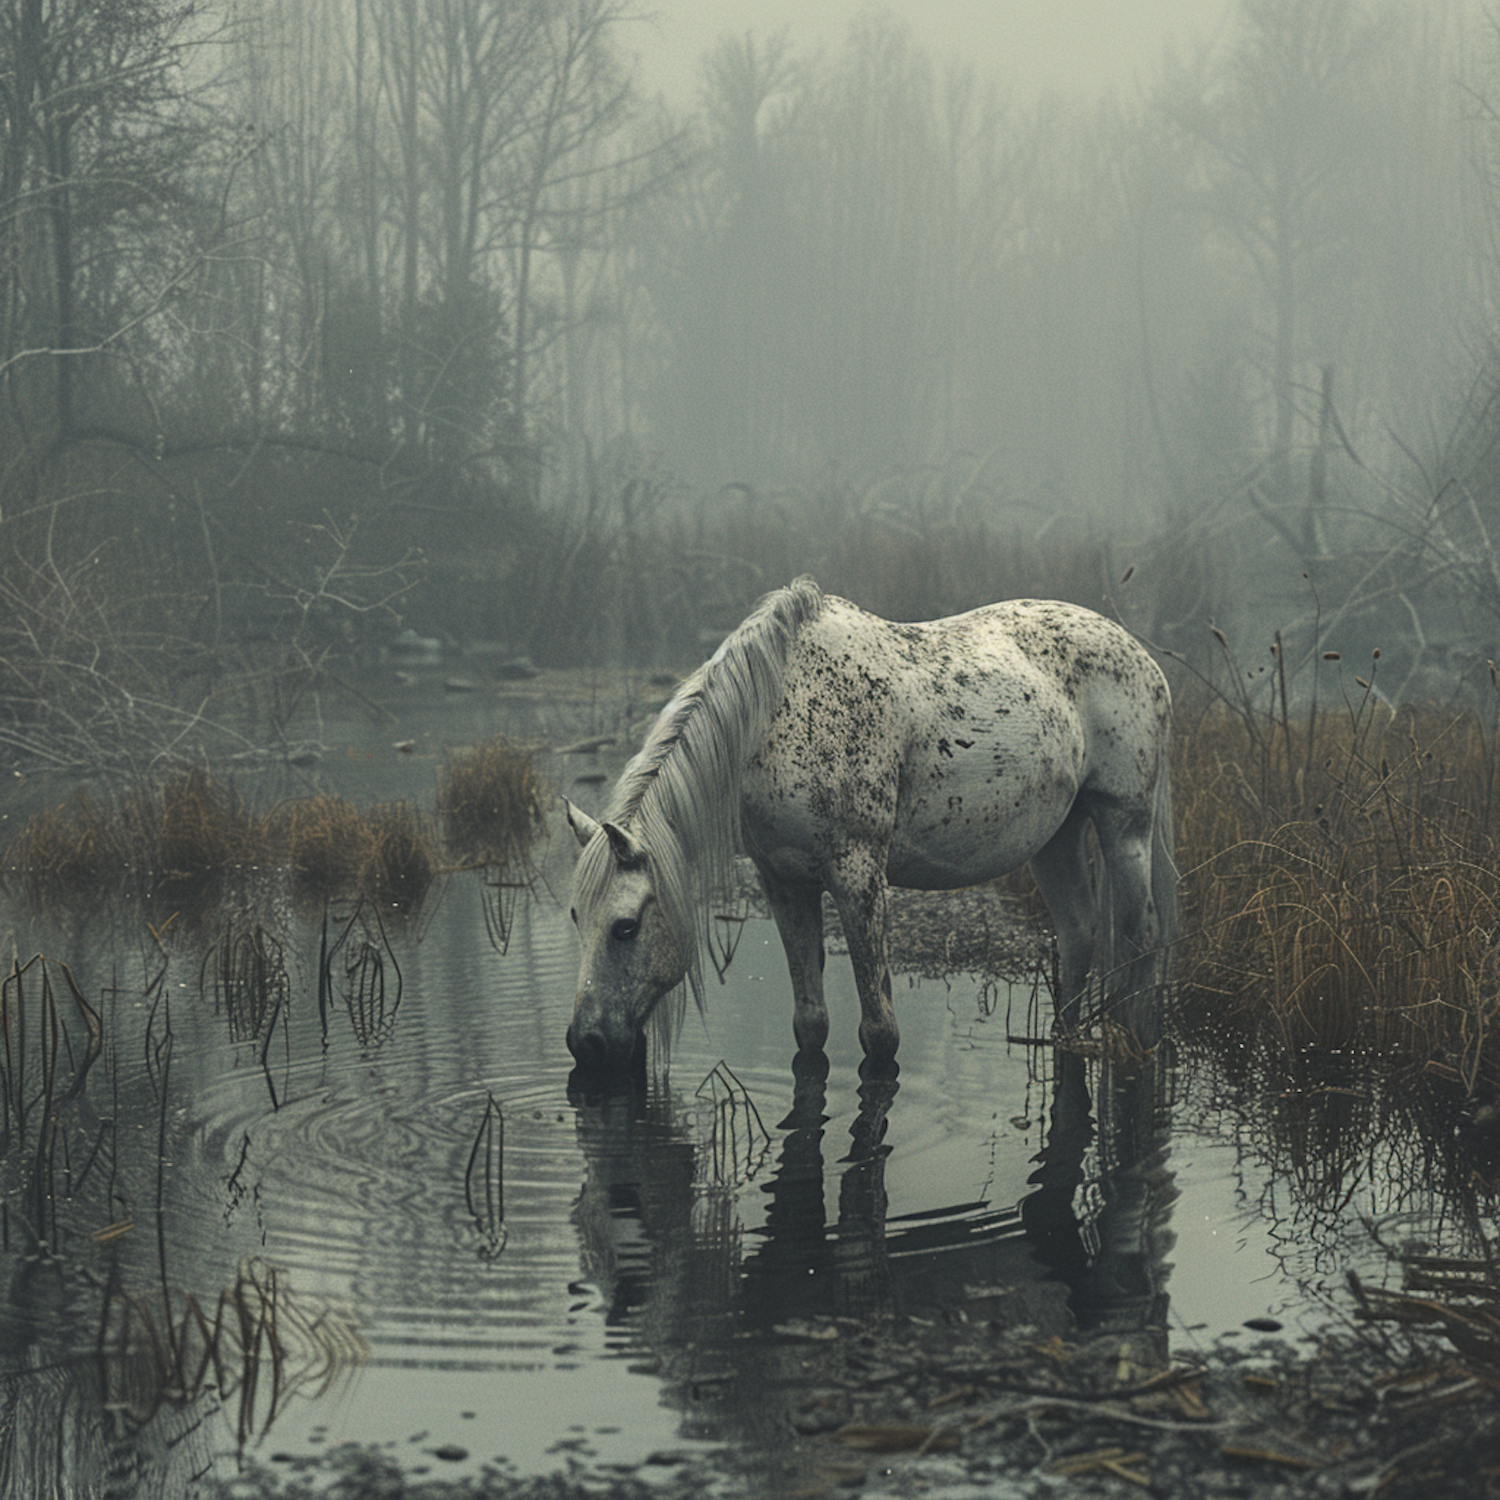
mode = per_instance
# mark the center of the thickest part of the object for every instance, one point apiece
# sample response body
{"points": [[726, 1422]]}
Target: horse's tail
{"points": [[1163, 859], [1149, 986]]}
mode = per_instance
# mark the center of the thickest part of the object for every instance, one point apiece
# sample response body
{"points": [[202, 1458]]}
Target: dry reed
{"points": [[195, 827], [68, 852], [401, 863], [175, 841], [1342, 886], [490, 801]]}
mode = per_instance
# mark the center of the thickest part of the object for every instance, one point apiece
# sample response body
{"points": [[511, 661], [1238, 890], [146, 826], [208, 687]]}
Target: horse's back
{"points": [[957, 746]]}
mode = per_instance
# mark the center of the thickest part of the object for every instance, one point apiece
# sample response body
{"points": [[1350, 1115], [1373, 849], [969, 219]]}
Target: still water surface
{"points": [[472, 1265]]}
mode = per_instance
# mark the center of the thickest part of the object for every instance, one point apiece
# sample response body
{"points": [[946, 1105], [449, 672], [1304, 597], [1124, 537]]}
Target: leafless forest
{"points": [[320, 319]]}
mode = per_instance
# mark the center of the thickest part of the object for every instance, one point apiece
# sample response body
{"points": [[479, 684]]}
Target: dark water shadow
{"points": [[738, 1322]]}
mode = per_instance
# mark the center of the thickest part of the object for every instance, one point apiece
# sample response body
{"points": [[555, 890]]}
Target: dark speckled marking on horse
{"points": [[940, 755]]}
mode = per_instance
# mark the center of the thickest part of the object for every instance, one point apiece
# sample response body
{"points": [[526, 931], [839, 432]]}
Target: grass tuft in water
{"points": [[325, 840], [402, 861], [176, 840], [68, 852], [195, 827], [490, 802]]}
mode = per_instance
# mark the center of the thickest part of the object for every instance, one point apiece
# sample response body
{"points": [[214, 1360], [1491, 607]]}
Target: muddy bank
{"points": [[955, 1410]]}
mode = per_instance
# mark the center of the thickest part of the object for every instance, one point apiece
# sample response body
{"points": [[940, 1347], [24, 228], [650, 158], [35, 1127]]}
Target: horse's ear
{"points": [[628, 853], [583, 826]]}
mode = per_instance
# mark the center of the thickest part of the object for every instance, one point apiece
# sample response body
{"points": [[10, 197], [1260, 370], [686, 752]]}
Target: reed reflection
{"points": [[121, 1334]]}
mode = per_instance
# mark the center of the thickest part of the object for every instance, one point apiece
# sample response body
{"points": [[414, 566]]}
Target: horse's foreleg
{"points": [[798, 910], [859, 891], [1063, 875]]}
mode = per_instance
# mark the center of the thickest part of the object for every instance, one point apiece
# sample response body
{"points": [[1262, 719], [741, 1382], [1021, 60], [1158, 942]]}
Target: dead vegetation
{"points": [[255, 1346], [490, 802], [1341, 884], [175, 842], [1341, 915]]}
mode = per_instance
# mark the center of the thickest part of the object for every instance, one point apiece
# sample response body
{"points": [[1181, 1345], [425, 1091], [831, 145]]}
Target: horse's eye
{"points": [[625, 929]]}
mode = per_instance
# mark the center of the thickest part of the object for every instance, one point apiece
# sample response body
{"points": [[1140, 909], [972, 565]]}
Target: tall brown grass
{"points": [[175, 841], [1342, 886], [490, 801]]}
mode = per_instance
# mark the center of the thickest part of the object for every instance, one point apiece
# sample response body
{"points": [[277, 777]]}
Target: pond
{"points": [[284, 1183]]}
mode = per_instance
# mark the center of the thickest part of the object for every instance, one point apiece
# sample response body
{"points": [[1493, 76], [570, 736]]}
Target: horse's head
{"points": [[633, 956]]}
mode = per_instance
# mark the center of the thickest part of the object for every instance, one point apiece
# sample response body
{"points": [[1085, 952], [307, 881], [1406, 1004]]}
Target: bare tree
{"points": [[1285, 129], [100, 138], [822, 287]]}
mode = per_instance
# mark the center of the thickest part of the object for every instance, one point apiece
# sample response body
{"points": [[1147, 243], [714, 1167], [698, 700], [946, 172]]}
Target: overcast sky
{"points": [[1075, 46]]}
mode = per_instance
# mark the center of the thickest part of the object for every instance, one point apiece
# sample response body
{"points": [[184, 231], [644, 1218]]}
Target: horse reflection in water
{"points": [[663, 1241], [845, 753]]}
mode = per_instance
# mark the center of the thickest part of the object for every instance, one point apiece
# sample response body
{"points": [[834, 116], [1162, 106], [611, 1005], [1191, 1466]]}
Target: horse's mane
{"points": [[680, 795]]}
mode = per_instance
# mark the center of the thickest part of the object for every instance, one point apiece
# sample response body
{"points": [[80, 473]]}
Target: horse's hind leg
{"points": [[1132, 922], [798, 910], [1064, 875]]}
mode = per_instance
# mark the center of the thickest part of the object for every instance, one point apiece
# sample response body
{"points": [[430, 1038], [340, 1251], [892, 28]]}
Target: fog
{"points": [[1073, 47], [572, 330]]}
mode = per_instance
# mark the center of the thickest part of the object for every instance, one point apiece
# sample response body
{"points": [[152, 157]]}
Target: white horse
{"points": [[846, 753]]}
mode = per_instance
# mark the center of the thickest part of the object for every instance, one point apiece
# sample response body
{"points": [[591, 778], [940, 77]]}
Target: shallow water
{"points": [[469, 1264]]}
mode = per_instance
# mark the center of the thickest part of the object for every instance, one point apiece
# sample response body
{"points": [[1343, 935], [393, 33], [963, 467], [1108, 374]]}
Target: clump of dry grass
{"points": [[1342, 886], [195, 827], [177, 835], [325, 839], [490, 802], [68, 852], [401, 862], [385, 853], [177, 840]]}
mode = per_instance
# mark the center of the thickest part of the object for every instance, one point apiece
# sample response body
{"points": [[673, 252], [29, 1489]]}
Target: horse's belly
{"points": [[964, 840], [972, 809]]}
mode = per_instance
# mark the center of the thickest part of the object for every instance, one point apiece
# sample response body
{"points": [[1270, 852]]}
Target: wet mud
{"points": [[959, 1410]]}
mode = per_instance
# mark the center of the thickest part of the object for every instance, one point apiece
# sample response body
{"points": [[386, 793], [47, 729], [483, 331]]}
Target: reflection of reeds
{"points": [[363, 955], [738, 1140], [42, 1068], [256, 1346], [245, 971], [498, 901], [725, 932], [484, 1180], [490, 802]]}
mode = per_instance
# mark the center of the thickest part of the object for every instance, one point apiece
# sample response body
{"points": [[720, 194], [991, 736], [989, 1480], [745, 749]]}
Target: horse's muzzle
{"points": [[600, 1050]]}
